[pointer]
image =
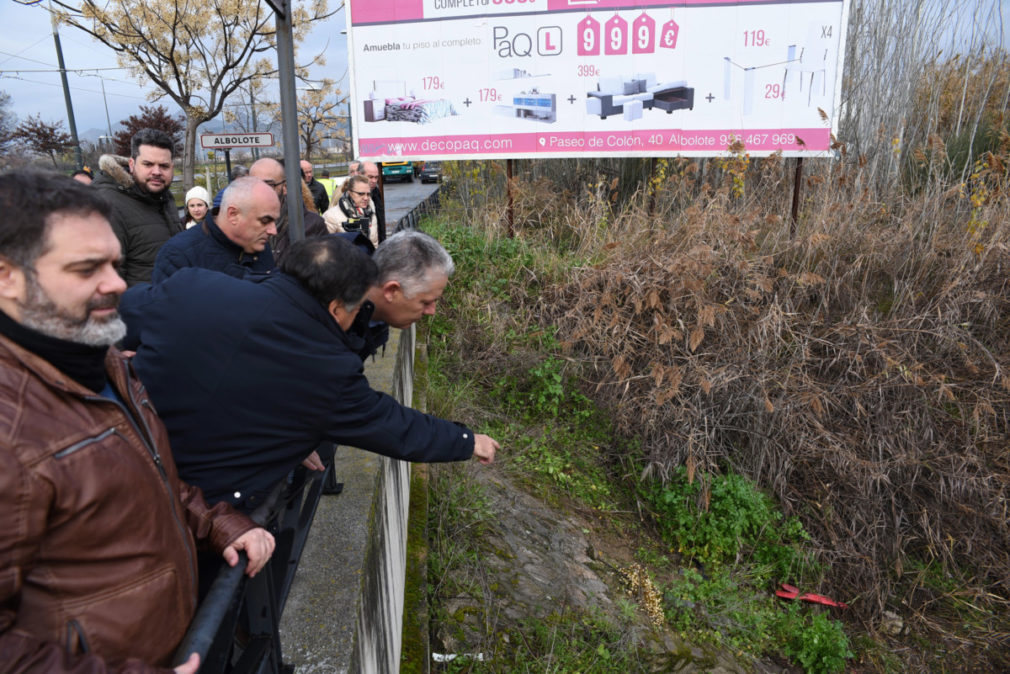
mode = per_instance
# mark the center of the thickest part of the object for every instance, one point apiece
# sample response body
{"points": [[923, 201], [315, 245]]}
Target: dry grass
{"points": [[855, 362], [858, 368]]}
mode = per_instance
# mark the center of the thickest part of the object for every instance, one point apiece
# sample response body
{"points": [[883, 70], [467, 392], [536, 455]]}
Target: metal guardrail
{"points": [[236, 627], [410, 220]]}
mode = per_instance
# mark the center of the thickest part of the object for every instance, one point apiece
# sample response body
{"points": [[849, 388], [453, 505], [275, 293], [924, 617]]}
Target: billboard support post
{"points": [[510, 209], [652, 185], [797, 180]]}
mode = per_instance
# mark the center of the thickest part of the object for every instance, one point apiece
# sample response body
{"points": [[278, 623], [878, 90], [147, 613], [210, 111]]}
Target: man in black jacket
{"points": [[251, 376], [319, 196], [370, 170], [236, 241], [144, 215]]}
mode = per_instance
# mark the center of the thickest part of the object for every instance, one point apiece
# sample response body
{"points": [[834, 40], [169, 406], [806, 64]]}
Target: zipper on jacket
{"points": [[144, 439], [174, 498], [147, 439], [84, 443], [76, 643]]}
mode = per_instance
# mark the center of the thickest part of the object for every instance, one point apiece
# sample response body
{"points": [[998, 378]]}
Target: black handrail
{"points": [[410, 220], [236, 627]]}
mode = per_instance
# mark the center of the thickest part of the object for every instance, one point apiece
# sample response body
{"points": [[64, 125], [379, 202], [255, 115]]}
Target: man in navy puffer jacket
{"points": [[251, 376]]}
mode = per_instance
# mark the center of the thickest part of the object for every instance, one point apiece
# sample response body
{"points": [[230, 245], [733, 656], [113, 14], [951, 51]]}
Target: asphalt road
{"points": [[401, 197]]}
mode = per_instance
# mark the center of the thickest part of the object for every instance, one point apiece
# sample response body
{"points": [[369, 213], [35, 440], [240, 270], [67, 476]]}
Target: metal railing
{"points": [[236, 627], [410, 220]]}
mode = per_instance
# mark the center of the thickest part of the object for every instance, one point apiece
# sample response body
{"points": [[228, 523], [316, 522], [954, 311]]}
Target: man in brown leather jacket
{"points": [[97, 533]]}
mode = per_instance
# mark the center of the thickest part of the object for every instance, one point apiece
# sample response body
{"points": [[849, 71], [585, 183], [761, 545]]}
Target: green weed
{"points": [[563, 641], [740, 521], [716, 607], [813, 641]]}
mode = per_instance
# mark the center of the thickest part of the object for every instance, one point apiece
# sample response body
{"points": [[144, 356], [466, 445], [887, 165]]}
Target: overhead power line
{"points": [[50, 84]]}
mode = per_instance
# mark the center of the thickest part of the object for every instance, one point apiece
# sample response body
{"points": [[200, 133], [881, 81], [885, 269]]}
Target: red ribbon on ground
{"points": [[792, 592]]}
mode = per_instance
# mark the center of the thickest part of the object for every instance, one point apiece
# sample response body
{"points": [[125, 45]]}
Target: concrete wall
{"points": [[345, 610]]}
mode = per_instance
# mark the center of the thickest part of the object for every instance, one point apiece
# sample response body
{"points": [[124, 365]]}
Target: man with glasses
{"points": [[271, 171], [354, 211]]}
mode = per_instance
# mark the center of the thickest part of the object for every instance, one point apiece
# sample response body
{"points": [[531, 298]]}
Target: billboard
{"points": [[478, 79]]}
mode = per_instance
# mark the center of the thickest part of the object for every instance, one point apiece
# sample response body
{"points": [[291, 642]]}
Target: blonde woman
{"points": [[354, 211]]}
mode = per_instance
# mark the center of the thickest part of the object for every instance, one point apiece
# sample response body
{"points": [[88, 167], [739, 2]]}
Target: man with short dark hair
{"points": [[319, 196], [99, 535], [144, 215], [279, 352], [237, 242]]}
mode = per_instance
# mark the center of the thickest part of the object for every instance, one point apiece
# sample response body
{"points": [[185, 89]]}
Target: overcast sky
{"points": [[28, 46]]}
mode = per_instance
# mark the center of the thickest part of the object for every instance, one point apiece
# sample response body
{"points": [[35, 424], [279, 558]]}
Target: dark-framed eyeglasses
{"points": [[275, 183], [360, 194]]}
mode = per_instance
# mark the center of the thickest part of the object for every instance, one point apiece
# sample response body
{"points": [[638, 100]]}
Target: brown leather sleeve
{"points": [[219, 525]]}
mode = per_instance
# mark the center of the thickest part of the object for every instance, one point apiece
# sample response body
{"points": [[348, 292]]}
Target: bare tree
{"points": [[40, 137], [8, 121], [318, 113], [198, 53]]}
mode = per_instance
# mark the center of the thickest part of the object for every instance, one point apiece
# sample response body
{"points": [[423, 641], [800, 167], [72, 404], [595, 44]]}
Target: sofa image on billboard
{"points": [[613, 93]]}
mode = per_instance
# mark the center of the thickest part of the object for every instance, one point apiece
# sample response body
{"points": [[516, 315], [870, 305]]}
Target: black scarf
{"points": [[82, 363], [351, 211]]}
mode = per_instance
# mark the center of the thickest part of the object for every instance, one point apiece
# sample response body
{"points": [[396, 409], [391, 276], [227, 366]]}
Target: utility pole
{"points": [[108, 120], [78, 158]]}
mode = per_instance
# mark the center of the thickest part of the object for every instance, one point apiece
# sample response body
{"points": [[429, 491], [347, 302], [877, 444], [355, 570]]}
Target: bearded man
{"points": [[144, 215], [97, 533]]}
